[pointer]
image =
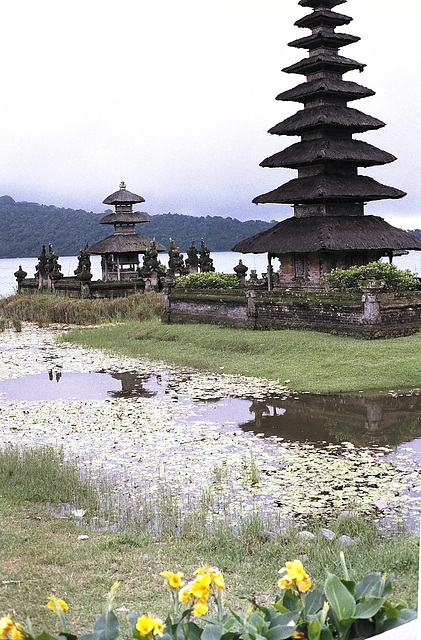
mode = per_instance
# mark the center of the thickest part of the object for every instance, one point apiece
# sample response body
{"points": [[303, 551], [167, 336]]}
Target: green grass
{"points": [[309, 361]]}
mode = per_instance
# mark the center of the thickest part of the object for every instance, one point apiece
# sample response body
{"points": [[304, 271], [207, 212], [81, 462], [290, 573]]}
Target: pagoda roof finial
{"points": [[122, 185]]}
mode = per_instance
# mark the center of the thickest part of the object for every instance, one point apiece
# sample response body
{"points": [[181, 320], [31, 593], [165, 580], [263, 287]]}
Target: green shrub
{"points": [[392, 278], [209, 280]]}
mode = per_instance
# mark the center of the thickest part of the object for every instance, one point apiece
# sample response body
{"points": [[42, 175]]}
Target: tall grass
{"points": [[47, 308]]}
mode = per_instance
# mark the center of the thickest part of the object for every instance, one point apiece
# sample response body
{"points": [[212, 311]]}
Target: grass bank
{"points": [[42, 552], [304, 360]]}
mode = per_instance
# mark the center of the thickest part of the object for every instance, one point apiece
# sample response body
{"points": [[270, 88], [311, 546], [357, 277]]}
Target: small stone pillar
{"points": [[166, 316], [371, 301], [251, 309]]}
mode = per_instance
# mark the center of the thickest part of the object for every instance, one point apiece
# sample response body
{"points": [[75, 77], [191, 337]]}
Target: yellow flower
{"points": [[173, 579], [145, 625], [303, 585], [55, 604], [298, 635], [284, 583], [295, 570], [9, 630], [200, 587], [200, 608], [158, 628], [185, 594], [217, 578]]}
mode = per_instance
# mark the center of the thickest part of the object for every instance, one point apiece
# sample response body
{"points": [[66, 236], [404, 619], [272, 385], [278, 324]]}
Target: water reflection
{"points": [[388, 420], [383, 420]]}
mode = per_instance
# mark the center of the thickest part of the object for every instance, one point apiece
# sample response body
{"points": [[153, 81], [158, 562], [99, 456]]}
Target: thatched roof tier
{"points": [[330, 233], [125, 217], [324, 38], [121, 243], [322, 87], [323, 17], [327, 115], [123, 196], [324, 61], [320, 4], [329, 187], [354, 152]]}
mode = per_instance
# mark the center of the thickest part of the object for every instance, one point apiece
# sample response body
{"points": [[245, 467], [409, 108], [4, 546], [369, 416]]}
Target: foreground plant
{"points": [[340, 609]]}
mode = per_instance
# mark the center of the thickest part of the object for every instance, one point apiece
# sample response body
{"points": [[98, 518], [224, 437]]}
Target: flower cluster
{"points": [[208, 582], [295, 578], [9, 630], [147, 625]]}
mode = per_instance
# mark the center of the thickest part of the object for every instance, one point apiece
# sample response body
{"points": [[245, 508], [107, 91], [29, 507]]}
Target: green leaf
{"points": [[339, 598], [314, 629], [313, 601], [211, 632], [326, 635], [132, 617], [369, 586], [368, 607], [284, 626], [107, 626], [45, 636]]}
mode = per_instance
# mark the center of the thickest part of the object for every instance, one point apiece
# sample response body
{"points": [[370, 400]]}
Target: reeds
{"points": [[47, 308]]}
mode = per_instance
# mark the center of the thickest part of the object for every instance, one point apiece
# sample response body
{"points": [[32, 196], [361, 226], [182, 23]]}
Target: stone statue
{"points": [[192, 261], [205, 261]]}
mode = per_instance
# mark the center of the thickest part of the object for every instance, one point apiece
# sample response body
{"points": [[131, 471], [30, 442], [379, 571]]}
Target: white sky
{"points": [[176, 96]]}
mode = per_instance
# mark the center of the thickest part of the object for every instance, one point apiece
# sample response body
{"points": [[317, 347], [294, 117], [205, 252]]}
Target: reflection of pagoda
{"points": [[120, 252], [329, 228]]}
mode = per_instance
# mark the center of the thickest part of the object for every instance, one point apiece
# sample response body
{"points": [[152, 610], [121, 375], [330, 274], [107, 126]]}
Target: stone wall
{"points": [[370, 315]]}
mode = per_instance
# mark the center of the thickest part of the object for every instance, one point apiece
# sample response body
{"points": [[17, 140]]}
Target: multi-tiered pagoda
{"points": [[120, 252], [329, 228]]}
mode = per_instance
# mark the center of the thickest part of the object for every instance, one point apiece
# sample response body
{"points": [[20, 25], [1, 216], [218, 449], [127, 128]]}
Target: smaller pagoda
{"points": [[120, 251]]}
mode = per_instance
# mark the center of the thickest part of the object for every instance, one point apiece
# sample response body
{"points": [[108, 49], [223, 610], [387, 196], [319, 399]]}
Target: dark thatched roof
{"points": [[323, 17], [329, 233], [324, 61], [319, 151], [319, 4], [327, 115], [326, 187], [123, 196], [132, 217], [324, 38], [326, 86], [124, 243]]}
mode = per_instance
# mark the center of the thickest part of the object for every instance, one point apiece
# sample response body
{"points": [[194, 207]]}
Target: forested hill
{"points": [[25, 226]]}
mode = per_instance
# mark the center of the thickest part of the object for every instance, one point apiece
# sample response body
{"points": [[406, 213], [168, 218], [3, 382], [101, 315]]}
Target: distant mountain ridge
{"points": [[27, 225]]}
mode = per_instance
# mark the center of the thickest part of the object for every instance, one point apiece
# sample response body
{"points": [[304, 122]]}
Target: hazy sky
{"points": [[176, 96]]}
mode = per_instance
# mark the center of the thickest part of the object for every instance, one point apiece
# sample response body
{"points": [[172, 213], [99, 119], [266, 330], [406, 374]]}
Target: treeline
{"points": [[25, 226]]}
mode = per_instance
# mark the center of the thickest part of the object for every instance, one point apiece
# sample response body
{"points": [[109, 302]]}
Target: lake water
{"points": [[224, 261]]}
